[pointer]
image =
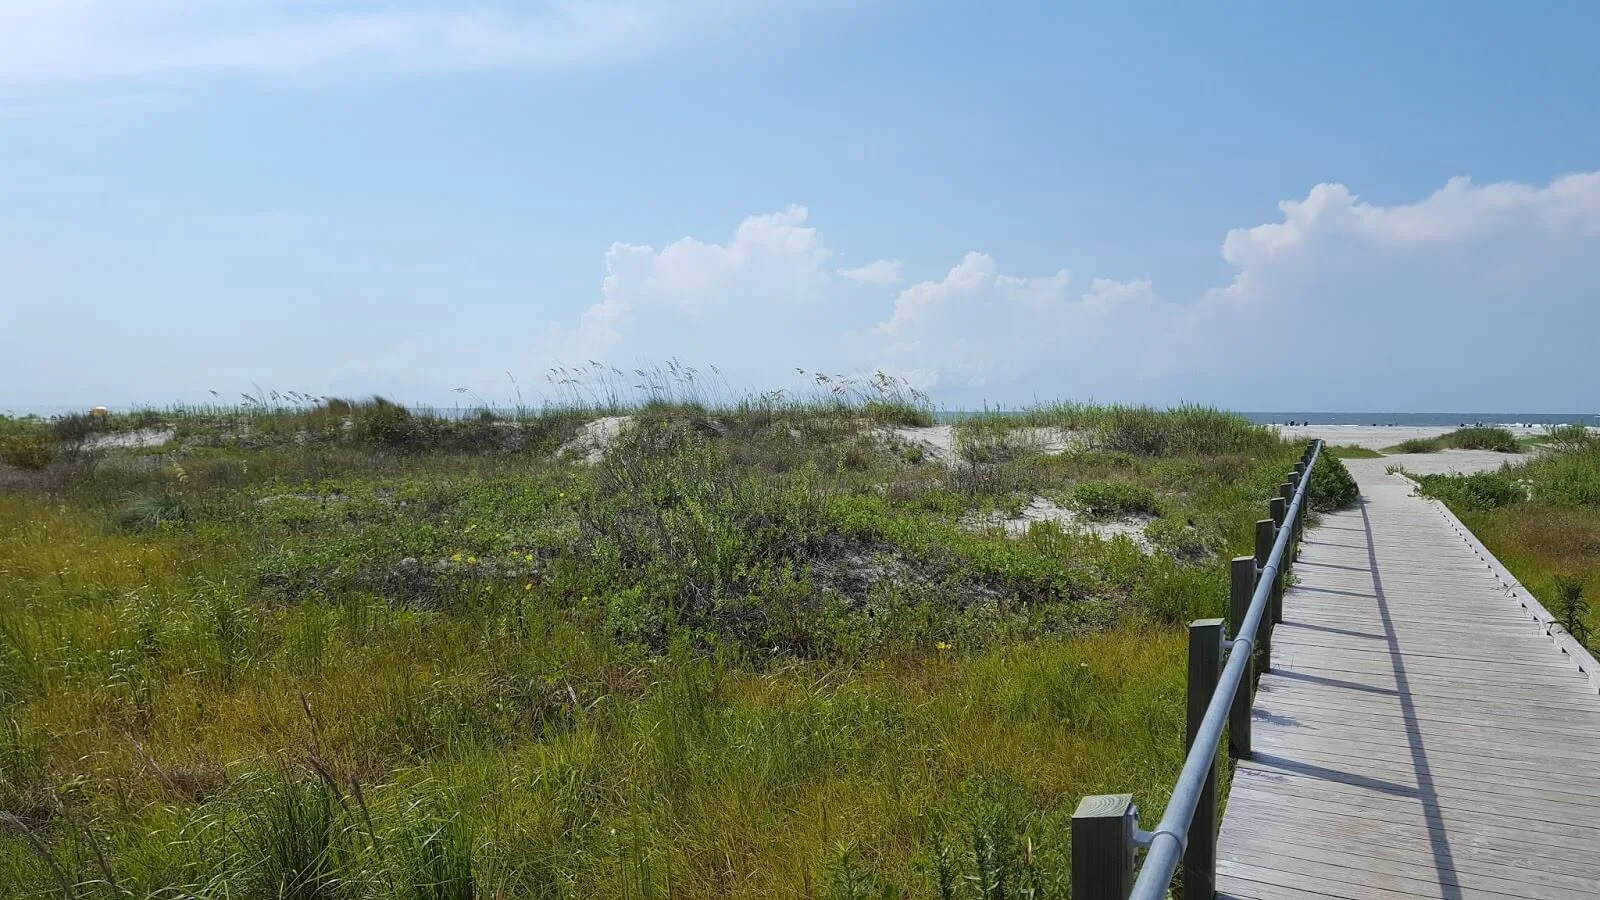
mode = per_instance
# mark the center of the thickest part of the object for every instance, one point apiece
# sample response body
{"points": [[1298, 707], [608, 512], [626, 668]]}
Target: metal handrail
{"points": [[1165, 845]]}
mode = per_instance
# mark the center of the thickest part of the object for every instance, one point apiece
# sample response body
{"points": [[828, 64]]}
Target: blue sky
{"points": [[998, 202]]}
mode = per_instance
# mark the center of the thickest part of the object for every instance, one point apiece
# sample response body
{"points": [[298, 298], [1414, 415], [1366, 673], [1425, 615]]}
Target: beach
{"points": [[1378, 437]]}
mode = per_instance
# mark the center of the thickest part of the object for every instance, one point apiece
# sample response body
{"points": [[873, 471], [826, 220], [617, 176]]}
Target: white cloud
{"points": [[767, 281], [880, 272], [978, 327], [86, 40], [1471, 298], [1475, 296]]}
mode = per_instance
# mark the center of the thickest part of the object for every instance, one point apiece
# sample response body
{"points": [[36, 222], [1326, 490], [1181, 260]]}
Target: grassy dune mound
{"points": [[1500, 440], [744, 648], [1541, 517]]}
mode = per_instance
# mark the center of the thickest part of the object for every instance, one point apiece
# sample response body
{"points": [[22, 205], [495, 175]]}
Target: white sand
{"points": [[940, 444], [594, 437], [1377, 437], [1043, 509], [1445, 462], [130, 440]]}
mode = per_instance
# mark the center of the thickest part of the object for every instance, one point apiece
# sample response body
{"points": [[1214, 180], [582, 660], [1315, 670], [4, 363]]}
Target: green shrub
{"points": [[386, 424], [1331, 485], [1563, 478], [27, 450], [686, 540], [435, 857], [148, 512], [1570, 438], [16, 425], [898, 412], [1478, 491], [1180, 431], [1567, 479], [1181, 540], [294, 840], [1352, 451], [1497, 439], [989, 438], [1114, 498], [1417, 445], [1571, 609], [75, 428]]}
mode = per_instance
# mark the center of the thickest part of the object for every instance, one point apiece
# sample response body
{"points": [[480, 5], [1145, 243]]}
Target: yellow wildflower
{"points": [[944, 646]]}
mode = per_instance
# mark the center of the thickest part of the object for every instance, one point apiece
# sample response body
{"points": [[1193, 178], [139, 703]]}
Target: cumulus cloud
{"points": [[978, 327], [79, 40], [1475, 296], [708, 302], [880, 272]]}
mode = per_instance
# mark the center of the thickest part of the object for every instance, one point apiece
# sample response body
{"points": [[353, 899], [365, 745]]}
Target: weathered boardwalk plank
{"points": [[1419, 734]]}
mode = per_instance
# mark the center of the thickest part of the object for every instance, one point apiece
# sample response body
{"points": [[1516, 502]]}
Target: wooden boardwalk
{"points": [[1419, 734]]}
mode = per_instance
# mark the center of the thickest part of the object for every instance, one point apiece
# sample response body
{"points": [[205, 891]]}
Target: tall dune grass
{"points": [[756, 650]]}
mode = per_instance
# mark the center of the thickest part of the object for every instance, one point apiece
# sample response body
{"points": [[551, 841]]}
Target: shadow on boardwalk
{"points": [[1418, 735]]}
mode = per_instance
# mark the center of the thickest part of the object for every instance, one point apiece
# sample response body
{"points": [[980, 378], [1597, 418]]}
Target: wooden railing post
{"points": [[1295, 529], [1103, 848], [1266, 533], [1276, 508], [1241, 584], [1205, 670]]}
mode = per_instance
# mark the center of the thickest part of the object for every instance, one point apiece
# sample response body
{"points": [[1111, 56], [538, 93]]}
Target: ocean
{"points": [[1416, 419]]}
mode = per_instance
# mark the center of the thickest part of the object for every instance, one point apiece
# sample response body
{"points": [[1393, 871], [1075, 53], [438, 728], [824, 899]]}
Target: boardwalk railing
{"points": [[1106, 837]]}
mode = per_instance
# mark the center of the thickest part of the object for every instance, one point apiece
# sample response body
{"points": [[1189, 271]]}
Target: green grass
{"points": [[1499, 440], [1114, 498], [1146, 431], [150, 511], [1541, 518], [1416, 445], [348, 649], [1352, 451], [26, 449]]}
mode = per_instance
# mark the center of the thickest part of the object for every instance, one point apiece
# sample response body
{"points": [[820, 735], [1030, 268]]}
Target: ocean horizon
{"points": [[1421, 419], [1366, 419]]}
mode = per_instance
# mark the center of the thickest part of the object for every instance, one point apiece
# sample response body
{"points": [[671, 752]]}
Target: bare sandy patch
{"points": [[594, 438], [130, 440], [942, 443], [1043, 509]]}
